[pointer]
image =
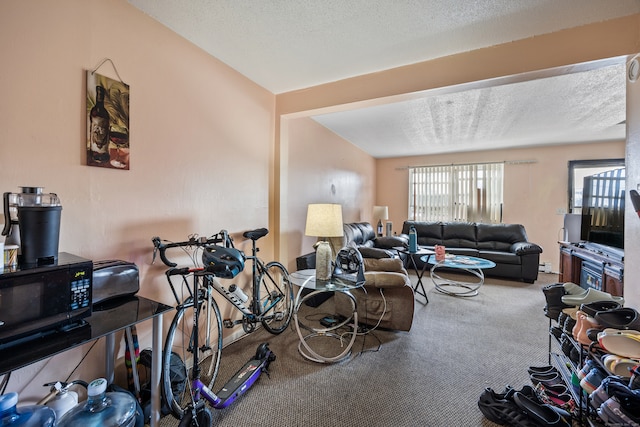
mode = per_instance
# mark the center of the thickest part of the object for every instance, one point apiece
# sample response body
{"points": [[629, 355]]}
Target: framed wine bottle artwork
{"points": [[107, 142]]}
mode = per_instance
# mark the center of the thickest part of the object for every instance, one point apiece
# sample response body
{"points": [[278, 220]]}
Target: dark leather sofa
{"points": [[505, 244]]}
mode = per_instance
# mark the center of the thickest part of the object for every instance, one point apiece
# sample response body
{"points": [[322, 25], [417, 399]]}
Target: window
{"points": [[463, 193]]}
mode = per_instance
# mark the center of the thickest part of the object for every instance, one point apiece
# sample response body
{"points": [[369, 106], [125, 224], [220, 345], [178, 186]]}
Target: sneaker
{"points": [[592, 380], [586, 368], [613, 415], [500, 409]]}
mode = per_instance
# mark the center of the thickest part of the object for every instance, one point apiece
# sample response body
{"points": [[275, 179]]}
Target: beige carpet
{"points": [[431, 376]]}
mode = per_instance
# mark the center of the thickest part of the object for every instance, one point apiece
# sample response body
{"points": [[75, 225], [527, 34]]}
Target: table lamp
{"points": [[324, 220], [380, 213]]}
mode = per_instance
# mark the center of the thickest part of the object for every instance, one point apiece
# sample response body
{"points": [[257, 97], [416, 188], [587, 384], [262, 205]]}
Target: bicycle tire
{"points": [[178, 341], [274, 284]]}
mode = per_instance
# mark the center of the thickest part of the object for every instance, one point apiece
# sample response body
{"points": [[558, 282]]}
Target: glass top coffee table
{"points": [[455, 287]]}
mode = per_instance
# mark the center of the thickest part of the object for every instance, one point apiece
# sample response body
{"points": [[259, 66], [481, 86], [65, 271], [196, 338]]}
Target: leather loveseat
{"points": [[362, 236], [505, 244]]}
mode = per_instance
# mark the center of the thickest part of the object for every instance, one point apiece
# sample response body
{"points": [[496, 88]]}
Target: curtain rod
{"points": [[506, 162]]}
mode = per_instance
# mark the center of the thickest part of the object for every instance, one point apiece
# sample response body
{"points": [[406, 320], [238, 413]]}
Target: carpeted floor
{"points": [[429, 377]]}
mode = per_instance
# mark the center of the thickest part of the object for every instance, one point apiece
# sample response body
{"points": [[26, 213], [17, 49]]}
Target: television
{"points": [[603, 197]]}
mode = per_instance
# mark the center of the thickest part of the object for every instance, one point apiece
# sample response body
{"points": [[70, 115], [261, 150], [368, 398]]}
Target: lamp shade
{"points": [[380, 212], [324, 220]]}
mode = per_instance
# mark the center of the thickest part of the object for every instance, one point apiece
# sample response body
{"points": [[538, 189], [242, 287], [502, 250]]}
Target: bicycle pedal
{"points": [[228, 323]]}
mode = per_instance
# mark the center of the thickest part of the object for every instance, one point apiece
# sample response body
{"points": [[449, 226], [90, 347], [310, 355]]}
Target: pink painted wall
{"points": [[323, 168], [201, 143]]}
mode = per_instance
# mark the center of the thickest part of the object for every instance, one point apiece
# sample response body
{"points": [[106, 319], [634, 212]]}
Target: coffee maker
{"points": [[32, 221]]}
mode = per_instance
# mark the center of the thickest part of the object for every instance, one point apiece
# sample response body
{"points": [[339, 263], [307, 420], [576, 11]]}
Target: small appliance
{"points": [[32, 220], [40, 299], [114, 279]]}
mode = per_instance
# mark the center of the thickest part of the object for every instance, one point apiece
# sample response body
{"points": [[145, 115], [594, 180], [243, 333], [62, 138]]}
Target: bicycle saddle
{"points": [[255, 234]]}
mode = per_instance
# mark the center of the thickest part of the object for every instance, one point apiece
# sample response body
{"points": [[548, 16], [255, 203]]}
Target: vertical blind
{"points": [[463, 193]]}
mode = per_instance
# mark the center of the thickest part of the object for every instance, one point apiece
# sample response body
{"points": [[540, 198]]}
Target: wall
{"points": [[323, 168], [201, 143], [535, 185]]}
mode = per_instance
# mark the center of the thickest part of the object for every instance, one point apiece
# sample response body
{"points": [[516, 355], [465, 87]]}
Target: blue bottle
{"points": [[113, 409], [24, 416], [413, 240]]}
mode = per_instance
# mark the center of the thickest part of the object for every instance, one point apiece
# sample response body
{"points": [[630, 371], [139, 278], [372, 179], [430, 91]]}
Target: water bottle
{"points": [[63, 401], [24, 416], [413, 240], [102, 409], [238, 293]]}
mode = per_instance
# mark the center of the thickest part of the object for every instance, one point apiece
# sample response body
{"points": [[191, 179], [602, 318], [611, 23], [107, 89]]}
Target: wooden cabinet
{"points": [[594, 265]]}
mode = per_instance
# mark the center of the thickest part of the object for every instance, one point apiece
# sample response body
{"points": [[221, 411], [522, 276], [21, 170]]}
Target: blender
{"points": [[32, 221]]}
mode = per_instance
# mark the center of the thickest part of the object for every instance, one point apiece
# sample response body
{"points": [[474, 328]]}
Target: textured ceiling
{"points": [[285, 45]]}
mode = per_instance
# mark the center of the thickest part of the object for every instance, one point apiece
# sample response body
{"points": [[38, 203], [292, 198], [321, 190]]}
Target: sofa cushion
{"points": [[459, 235], [390, 242], [501, 257], [383, 264], [376, 253], [429, 233], [525, 248], [500, 237], [386, 279]]}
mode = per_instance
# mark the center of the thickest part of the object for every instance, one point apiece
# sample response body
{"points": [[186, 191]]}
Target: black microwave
{"points": [[41, 299]]}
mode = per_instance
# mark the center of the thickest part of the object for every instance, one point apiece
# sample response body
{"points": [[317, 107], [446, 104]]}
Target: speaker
{"points": [[572, 226]]}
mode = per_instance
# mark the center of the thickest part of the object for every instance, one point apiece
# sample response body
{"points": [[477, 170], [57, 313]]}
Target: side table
{"points": [[420, 253], [306, 279]]}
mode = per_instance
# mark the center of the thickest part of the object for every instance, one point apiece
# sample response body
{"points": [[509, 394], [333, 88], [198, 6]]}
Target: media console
{"points": [[592, 265]]}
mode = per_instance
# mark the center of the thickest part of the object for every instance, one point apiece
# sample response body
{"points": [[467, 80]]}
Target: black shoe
{"points": [[590, 309], [543, 414], [568, 325], [542, 369], [502, 410], [553, 294], [556, 332]]}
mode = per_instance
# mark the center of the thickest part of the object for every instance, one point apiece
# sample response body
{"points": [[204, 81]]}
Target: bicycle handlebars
{"points": [[213, 269], [159, 246]]}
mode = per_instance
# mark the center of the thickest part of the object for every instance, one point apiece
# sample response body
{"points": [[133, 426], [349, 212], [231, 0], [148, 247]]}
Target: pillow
{"points": [[390, 242]]}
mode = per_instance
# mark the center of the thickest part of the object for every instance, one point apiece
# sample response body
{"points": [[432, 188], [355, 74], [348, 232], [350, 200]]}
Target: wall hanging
{"points": [[108, 142]]}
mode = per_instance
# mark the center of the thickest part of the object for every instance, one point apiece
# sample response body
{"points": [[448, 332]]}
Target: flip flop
{"points": [[620, 318], [592, 295], [621, 342]]}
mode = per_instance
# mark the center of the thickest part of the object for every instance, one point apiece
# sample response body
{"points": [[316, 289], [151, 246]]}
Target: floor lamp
{"points": [[323, 221]]}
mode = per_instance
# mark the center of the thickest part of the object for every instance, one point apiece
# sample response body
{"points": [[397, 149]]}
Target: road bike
{"points": [[195, 333]]}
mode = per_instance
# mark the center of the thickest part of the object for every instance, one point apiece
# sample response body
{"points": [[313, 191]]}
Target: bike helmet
{"points": [[232, 258]]}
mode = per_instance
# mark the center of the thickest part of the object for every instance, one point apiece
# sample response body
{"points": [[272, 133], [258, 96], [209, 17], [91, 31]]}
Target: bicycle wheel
{"points": [[275, 297], [176, 385]]}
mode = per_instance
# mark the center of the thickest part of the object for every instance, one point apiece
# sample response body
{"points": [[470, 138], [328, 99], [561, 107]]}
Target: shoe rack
{"points": [[569, 356]]}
